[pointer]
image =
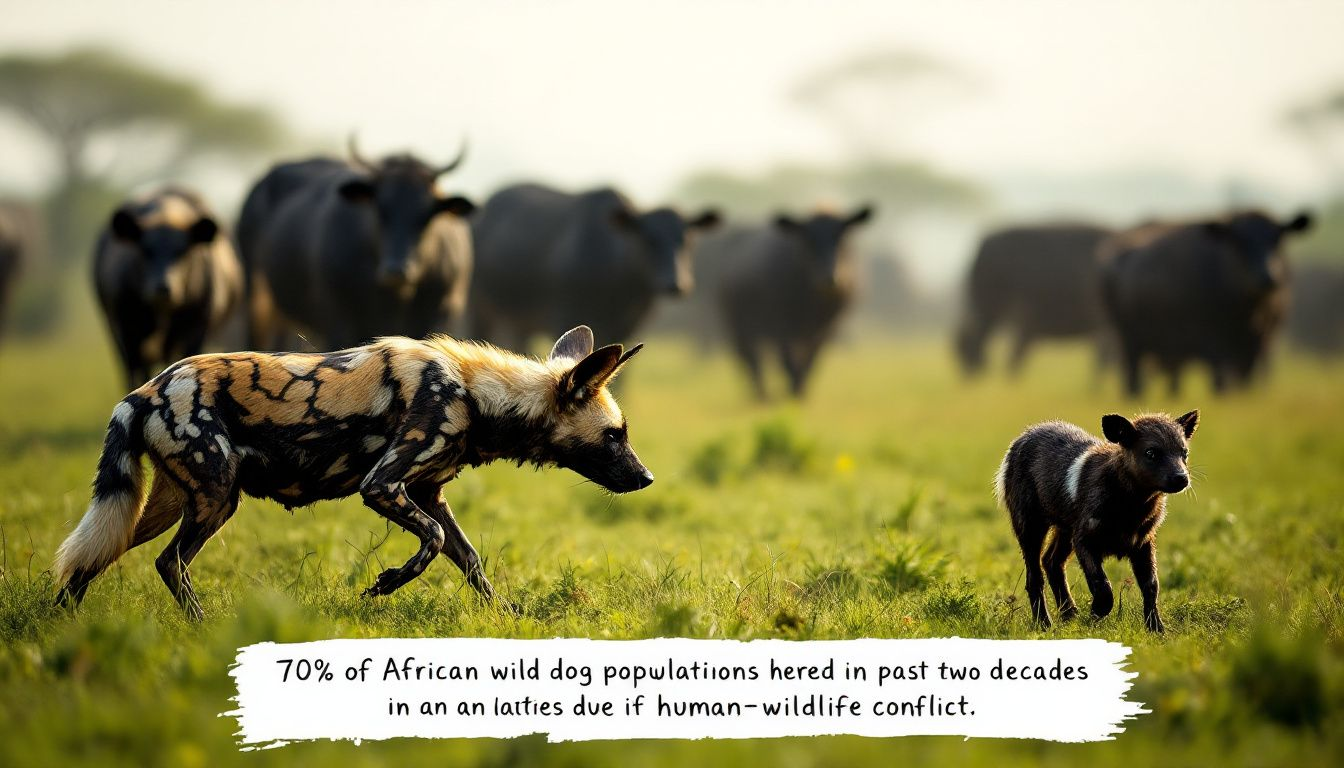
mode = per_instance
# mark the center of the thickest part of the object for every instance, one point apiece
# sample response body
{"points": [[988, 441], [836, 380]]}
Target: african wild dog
{"points": [[393, 421], [1100, 499]]}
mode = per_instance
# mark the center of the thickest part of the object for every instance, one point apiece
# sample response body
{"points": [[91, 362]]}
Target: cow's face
{"points": [[822, 237], [401, 191], [1256, 239], [665, 238], [163, 251]]}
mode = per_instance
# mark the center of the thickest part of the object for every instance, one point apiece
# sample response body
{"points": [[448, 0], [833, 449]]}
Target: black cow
{"points": [[13, 244], [350, 251], [1209, 291], [166, 276], [1040, 282], [785, 285], [1316, 319], [547, 261]]}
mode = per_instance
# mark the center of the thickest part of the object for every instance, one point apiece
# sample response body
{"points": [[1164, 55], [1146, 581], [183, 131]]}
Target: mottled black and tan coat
{"points": [[392, 421], [1099, 498]]}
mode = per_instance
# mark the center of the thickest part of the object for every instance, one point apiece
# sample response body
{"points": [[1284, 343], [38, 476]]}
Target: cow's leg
{"points": [[750, 355], [1022, 341], [1133, 374], [457, 547]]}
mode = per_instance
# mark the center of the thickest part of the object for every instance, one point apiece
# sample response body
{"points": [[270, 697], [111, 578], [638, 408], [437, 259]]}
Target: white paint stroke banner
{"points": [[673, 688]]}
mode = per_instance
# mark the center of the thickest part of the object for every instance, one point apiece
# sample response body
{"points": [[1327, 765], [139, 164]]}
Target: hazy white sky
{"points": [[639, 92]]}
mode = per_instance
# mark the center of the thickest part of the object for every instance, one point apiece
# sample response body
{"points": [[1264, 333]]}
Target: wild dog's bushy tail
{"points": [[104, 533]]}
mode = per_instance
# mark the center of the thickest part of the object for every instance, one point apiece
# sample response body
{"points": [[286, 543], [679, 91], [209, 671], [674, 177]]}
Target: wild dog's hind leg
{"points": [[456, 545], [165, 506], [208, 507], [1056, 555]]}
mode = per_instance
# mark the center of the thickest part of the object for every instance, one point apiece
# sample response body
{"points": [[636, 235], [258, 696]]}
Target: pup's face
{"points": [[1156, 448], [590, 435]]}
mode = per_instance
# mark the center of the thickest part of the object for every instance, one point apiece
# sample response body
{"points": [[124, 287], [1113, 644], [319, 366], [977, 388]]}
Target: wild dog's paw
{"points": [[1154, 623], [1068, 612], [386, 582]]}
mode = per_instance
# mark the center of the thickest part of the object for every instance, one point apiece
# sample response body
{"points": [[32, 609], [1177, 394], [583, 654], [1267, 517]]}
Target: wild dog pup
{"points": [[1099, 498], [392, 421]]}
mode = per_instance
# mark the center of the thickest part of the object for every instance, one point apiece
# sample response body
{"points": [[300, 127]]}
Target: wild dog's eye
{"points": [[613, 435], [1151, 454]]}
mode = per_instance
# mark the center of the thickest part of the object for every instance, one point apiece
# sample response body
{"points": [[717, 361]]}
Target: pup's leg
{"points": [[1056, 556], [1029, 525], [456, 546], [1102, 597], [1144, 561]]}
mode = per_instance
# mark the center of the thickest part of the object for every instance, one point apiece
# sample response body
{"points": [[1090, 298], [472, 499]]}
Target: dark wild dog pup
{"points": [[1099, 498], [392, 421]]}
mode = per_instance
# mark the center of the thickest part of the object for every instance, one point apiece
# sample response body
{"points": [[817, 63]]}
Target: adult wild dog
{"points": [[1100, 498], [393, 421]]}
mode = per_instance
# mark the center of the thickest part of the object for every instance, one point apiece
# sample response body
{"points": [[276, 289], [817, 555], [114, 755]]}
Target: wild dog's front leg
{"points": [[1144, 561], [456, 546], [1103, 598], [385, 494]]}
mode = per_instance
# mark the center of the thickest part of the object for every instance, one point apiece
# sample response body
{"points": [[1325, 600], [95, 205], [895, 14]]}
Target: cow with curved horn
{"points": [[345, 251]]}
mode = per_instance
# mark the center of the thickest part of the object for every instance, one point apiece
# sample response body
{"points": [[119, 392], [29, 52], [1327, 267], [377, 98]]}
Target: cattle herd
{"points": [[331, 252], [1165, 294]]}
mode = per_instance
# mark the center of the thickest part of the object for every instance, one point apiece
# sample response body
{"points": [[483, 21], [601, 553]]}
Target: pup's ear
{"points": [[591, 374], [1117, 429], [1189, 422], [576, 344]]}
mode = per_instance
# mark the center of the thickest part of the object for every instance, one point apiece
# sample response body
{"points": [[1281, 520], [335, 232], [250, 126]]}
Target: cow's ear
{"points": [[625, 218], [1189, 422], [575, 344], [456, 205], [707, 219], [786, 222], [203, 231], [1218, 229], [356, 190], [1117, 429], [591, 374], [125, 227], [1300, 223], [860, 216]]}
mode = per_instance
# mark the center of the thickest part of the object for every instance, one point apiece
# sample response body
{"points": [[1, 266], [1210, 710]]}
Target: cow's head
{"points": [[164, 236], [401, 190], [822, 237], [665, 238], [1256, 239]]}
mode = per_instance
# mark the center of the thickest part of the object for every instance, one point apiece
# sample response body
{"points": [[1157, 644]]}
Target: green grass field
{"points": [[864, 512]]}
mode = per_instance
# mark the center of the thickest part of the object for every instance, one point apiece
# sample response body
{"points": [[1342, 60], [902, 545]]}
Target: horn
{"points": [[357, 159], [450, 167]]}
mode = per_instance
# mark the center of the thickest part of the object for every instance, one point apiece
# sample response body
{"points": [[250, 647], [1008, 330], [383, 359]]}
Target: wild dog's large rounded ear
{"points": [[125, 227], [629, 353], [1117, 428], [1189, 422], [591, 374], [576, 344]]}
